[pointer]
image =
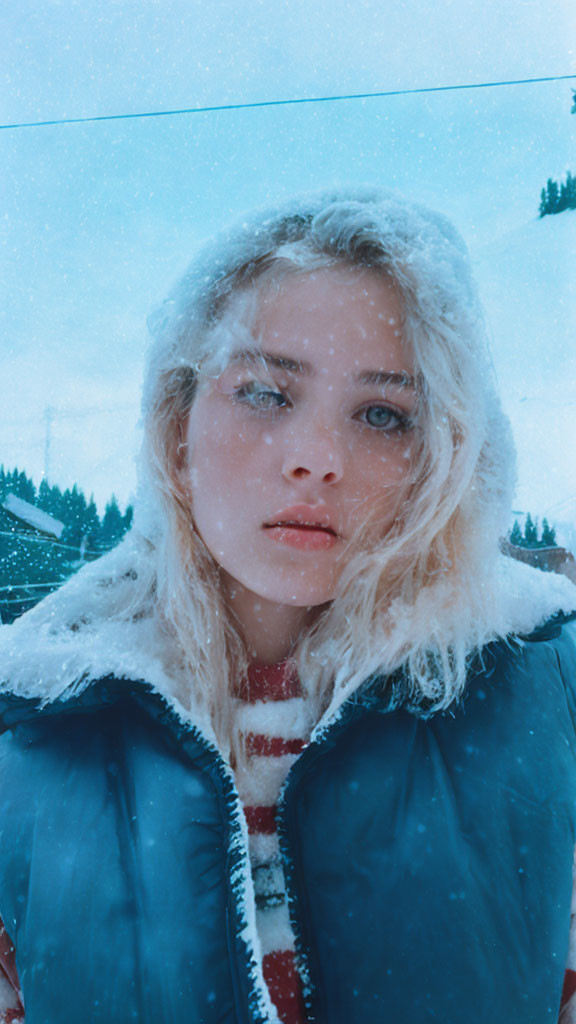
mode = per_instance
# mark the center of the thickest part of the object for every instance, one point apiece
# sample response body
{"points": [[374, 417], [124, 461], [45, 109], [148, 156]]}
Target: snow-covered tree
{"points": [[548, 539], [530, 532], [557, 198], [516, 537], [112, 524]]}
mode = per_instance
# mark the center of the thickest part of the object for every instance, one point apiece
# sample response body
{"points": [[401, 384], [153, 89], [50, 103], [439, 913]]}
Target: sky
{"points": [[100, 218]]}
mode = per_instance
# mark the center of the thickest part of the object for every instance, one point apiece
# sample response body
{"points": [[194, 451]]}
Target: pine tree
{"points": [[17, 483], [24, 488], [91, 525], [551, 196], [530, 533], [516, 537], [55, 502], [43, 497], [556, 198], [11, 481], [548, 539], [50, 499], [112, 524], [127, 518], [74, 507], [570, 191]]}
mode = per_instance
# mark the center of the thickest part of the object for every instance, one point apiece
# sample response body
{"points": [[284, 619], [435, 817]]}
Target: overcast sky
{"points": [[101, 217]]}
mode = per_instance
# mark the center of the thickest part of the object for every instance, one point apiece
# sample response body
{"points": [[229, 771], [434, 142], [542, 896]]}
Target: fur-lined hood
{"points": [[106, 621], [85, 631]]}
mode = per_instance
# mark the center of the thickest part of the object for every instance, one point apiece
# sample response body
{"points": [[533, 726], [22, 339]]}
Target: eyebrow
{"points": [[379, 378], [255, 355]]}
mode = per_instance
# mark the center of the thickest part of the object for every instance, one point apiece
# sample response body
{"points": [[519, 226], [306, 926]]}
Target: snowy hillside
{"points": [[528, 286]]}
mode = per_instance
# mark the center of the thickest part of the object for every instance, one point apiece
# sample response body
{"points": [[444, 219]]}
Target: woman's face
{"points": [[299, 441]]}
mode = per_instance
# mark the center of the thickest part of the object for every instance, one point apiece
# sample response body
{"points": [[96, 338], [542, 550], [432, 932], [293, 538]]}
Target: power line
{"points": [[285, 103], [29, 538], [31, 586]]}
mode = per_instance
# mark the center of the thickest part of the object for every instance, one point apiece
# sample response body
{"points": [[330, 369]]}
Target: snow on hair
{"points": [[414, 599]]}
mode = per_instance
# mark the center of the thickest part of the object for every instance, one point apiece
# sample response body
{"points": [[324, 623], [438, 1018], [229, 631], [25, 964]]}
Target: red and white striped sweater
{"points": [[276, 723]]}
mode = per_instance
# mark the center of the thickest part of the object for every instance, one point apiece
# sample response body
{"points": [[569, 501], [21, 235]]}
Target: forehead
{"points": [[330, 315], [337, 319], [328, 293]]}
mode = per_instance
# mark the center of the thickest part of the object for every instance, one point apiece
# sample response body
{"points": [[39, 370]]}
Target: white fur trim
{"points": [[514, 599], [260, 782], [82, 632], [243, 887], [288, 719]]}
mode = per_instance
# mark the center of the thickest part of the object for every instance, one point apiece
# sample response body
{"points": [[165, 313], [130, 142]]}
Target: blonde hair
{"points": [[411, 603]]}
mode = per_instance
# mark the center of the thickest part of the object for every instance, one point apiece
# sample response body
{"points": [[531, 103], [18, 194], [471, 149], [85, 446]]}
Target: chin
{"points": [[298, 598], [300, 590]]}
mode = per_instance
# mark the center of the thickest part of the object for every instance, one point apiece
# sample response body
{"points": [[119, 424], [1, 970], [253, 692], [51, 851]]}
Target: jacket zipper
{"points": [[296, 889], [251, 999]]}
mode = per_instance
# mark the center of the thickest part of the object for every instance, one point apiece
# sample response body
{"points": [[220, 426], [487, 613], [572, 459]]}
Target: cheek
{"points": [[206, 436], [211, 472], [220, 457], [381, 482], [385, 465], [398, 463]]}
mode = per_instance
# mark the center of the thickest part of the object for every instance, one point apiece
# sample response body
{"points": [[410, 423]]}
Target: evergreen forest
{"points": [[558, 196], [32, 562], [531, 536]]}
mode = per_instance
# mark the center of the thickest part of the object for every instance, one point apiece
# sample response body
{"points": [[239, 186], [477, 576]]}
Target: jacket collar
{"points": [[85, 631]]}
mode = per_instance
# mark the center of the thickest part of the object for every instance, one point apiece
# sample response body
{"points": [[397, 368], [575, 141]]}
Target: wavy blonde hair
{"points": [[413, 600]]}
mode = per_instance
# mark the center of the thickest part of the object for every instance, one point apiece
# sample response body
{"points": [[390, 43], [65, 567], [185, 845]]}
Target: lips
{"points": [[305, 518], [304, 528]]}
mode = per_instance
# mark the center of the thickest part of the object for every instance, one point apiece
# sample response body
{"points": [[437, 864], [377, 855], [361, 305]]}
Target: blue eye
{"points": [[384, 418], [260, 397]]}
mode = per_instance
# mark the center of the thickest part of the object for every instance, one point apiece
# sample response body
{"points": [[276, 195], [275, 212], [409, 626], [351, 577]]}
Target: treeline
{"points": [[83, 527], [531, 537], [557, 197], [32, 563]]}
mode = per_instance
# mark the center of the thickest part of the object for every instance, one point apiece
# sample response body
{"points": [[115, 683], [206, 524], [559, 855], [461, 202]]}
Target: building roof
{"points": [[32, 516]]}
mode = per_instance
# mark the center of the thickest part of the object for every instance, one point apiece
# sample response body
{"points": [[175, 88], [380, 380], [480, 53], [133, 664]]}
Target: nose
{"points": [[314, 454]]}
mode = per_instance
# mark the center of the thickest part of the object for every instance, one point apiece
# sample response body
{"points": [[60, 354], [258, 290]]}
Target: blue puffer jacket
{"points": [[429, 862]]}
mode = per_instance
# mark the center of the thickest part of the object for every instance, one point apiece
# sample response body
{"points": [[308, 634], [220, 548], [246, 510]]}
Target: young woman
{"points": [[302, 748]]}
